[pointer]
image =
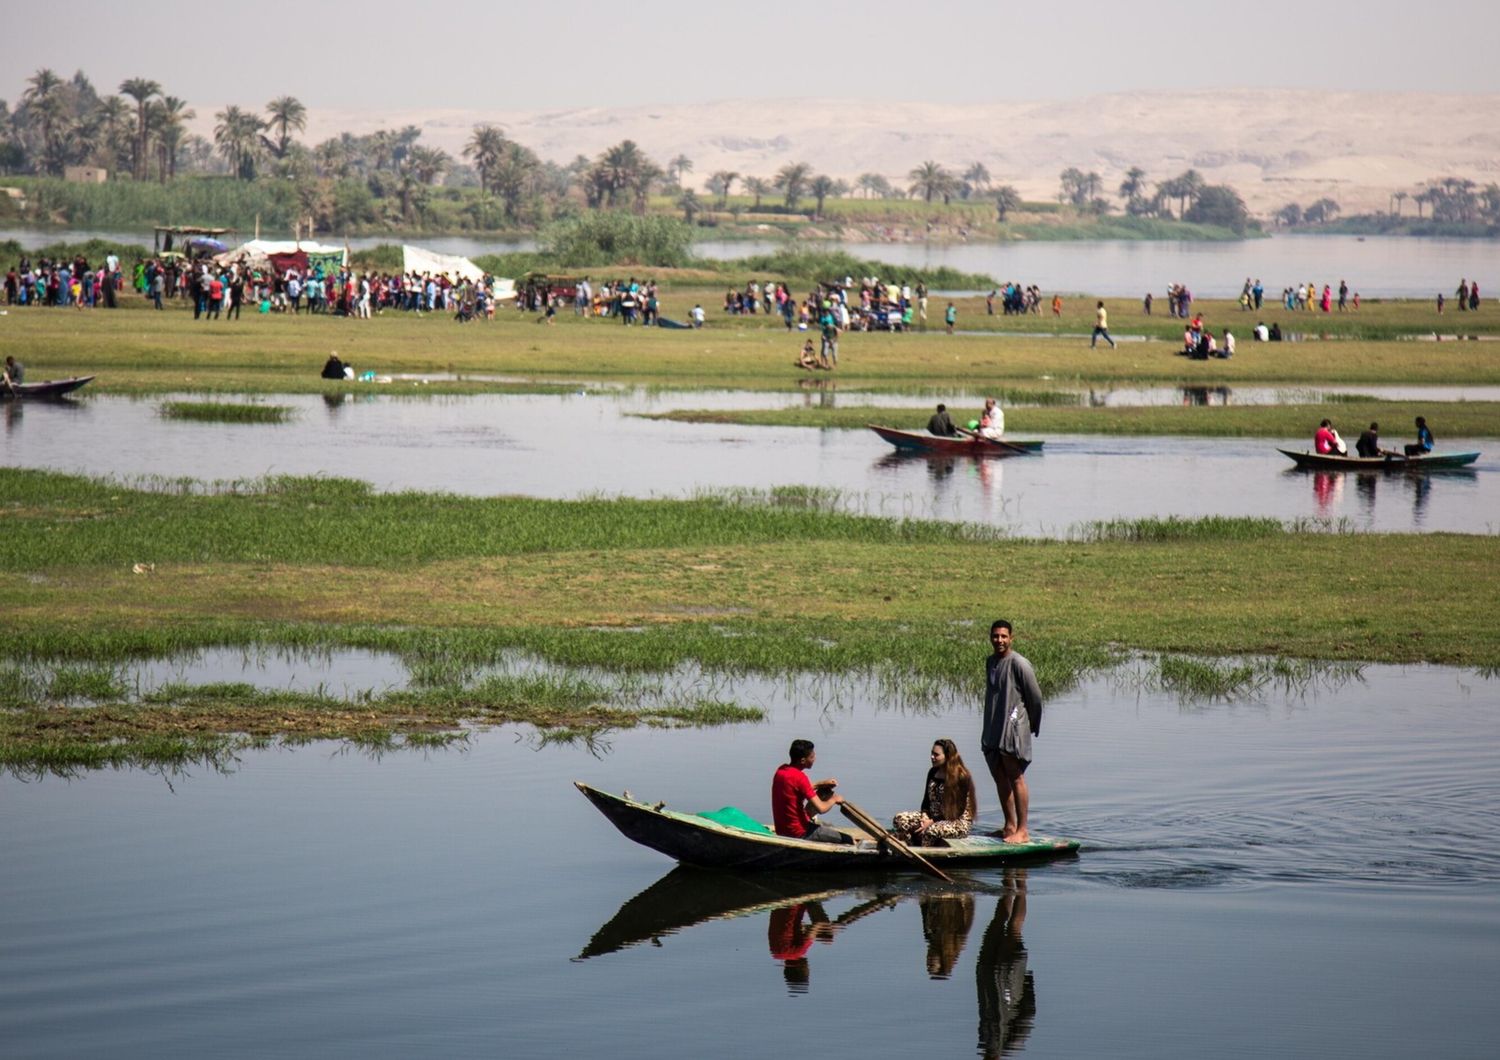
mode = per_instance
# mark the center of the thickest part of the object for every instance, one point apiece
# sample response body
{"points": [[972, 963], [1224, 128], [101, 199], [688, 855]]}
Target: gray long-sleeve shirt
{"points": [[1010, 686]]}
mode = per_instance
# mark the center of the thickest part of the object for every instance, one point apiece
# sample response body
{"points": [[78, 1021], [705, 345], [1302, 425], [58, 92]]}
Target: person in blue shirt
{"points": [[1424, 442]]}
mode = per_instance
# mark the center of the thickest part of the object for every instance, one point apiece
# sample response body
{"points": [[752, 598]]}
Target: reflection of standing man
{"points": [[1012, 716], [1007, 991]]}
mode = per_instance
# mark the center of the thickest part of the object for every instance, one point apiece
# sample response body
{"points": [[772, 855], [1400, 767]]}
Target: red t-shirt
{"points": [[790, 790], [1324, 441]]}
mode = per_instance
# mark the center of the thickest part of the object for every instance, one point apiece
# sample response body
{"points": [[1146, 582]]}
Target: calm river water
{"points": [[1302, 871], [1375, 266], [515, 444]]}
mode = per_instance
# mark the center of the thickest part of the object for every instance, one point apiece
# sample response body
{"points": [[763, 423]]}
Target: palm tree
{"points": [[646, 174], [140, 89], [1006, 200], [283, 114], [1188, 185], [382, 148], [428, 163], [1289, 215], [976, 178], [237, 136], [484, 148], [721, 182], [758, 187], [678, 166], [110, 126], [47, 109], [1131, 188], [689, 203], [930, 179], [620, 168], [515, 176], [792, 179], [822, 187], [873, 185], [170, 113]]}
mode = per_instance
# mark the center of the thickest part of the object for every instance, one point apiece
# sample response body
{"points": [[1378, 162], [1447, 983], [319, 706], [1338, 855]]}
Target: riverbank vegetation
{"points": [[1457, 419], [255, 171], [97, 573]]}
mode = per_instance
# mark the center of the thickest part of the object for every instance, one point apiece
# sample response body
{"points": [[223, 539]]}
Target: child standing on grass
{"points": [[951, 317]]}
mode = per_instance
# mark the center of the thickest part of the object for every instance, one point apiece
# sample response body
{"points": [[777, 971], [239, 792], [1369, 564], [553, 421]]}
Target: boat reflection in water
{"points": [[797, 919], [1328, 489]]}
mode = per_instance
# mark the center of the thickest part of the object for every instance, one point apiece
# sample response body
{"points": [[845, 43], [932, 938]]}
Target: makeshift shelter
{"points": [[306, 256], [419, 261]]}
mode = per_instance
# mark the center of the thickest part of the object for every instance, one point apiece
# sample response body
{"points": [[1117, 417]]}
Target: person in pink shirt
{"points": [[1327, 442]]}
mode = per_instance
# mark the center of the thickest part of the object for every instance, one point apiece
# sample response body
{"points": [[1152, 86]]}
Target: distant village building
{"points": [[15, 195], [85, 175]]}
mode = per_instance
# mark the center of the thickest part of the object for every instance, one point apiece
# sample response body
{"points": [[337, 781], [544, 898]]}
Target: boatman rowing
{"points": [[1012, 717], [793, 795]]}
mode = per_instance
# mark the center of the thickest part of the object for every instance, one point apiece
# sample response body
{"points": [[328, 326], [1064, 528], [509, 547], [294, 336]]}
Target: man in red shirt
{"points": [[793, 795]]}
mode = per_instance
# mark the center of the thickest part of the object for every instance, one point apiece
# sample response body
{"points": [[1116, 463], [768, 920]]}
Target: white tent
{"points": [[419, 261]]}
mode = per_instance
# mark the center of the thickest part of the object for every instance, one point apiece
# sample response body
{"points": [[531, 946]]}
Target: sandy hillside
{"points": [[1274, 146]]}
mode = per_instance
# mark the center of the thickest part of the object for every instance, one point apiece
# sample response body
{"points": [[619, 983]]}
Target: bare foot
{"points": [[1019, 837]]}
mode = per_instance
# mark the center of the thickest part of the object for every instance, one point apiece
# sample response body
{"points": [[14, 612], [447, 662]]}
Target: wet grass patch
{"points": [[178, 723], [224, 412], [1197, 679], [1178, 528]]}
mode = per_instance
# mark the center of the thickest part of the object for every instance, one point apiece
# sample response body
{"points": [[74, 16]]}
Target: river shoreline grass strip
{"points": [[1456, 419], [95, 572]]}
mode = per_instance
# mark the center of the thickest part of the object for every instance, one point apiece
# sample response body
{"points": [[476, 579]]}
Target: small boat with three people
{"points": [[729, 838]]}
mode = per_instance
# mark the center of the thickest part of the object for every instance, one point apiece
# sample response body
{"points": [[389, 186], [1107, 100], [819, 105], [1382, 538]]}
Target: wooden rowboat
{"points": [[49, 388], [1329, 462], [696, 840], [921, 442]]}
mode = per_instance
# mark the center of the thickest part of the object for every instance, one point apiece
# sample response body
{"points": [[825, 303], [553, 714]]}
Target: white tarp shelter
{"points": [[419, 261]]}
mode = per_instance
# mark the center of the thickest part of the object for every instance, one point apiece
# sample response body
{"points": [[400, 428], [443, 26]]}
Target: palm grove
{"points": [[388, 178]]}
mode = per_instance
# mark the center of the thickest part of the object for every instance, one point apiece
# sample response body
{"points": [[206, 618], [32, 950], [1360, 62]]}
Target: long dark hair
{"points": [[958, 784]]}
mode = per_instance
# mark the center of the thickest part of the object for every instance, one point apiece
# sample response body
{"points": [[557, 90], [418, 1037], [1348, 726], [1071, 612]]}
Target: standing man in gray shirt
{"points": [[1012, 717]]}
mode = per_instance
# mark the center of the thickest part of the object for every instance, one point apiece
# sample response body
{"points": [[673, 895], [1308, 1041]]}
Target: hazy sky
{"points": [[385, 53]]}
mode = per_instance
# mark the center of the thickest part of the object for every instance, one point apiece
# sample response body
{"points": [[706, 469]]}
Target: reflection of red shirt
{"points": [[790, 790], [788, 939]]}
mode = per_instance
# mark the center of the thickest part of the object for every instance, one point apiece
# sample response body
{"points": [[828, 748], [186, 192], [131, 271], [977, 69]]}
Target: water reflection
{"points": [[1006, 986], [1329, 487], [1205, 395], [798, 917]]}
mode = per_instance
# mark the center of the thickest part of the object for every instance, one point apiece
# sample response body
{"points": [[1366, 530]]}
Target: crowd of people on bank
{"points": [[73, 283]]}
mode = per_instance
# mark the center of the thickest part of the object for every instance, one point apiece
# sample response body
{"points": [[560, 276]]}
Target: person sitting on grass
{"points": [[333, 368], [808, 360], [949, 803], [793, 795]]}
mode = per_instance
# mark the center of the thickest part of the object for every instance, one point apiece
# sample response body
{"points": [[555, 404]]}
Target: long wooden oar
{"points": [[869, 824], [986, 440]]}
